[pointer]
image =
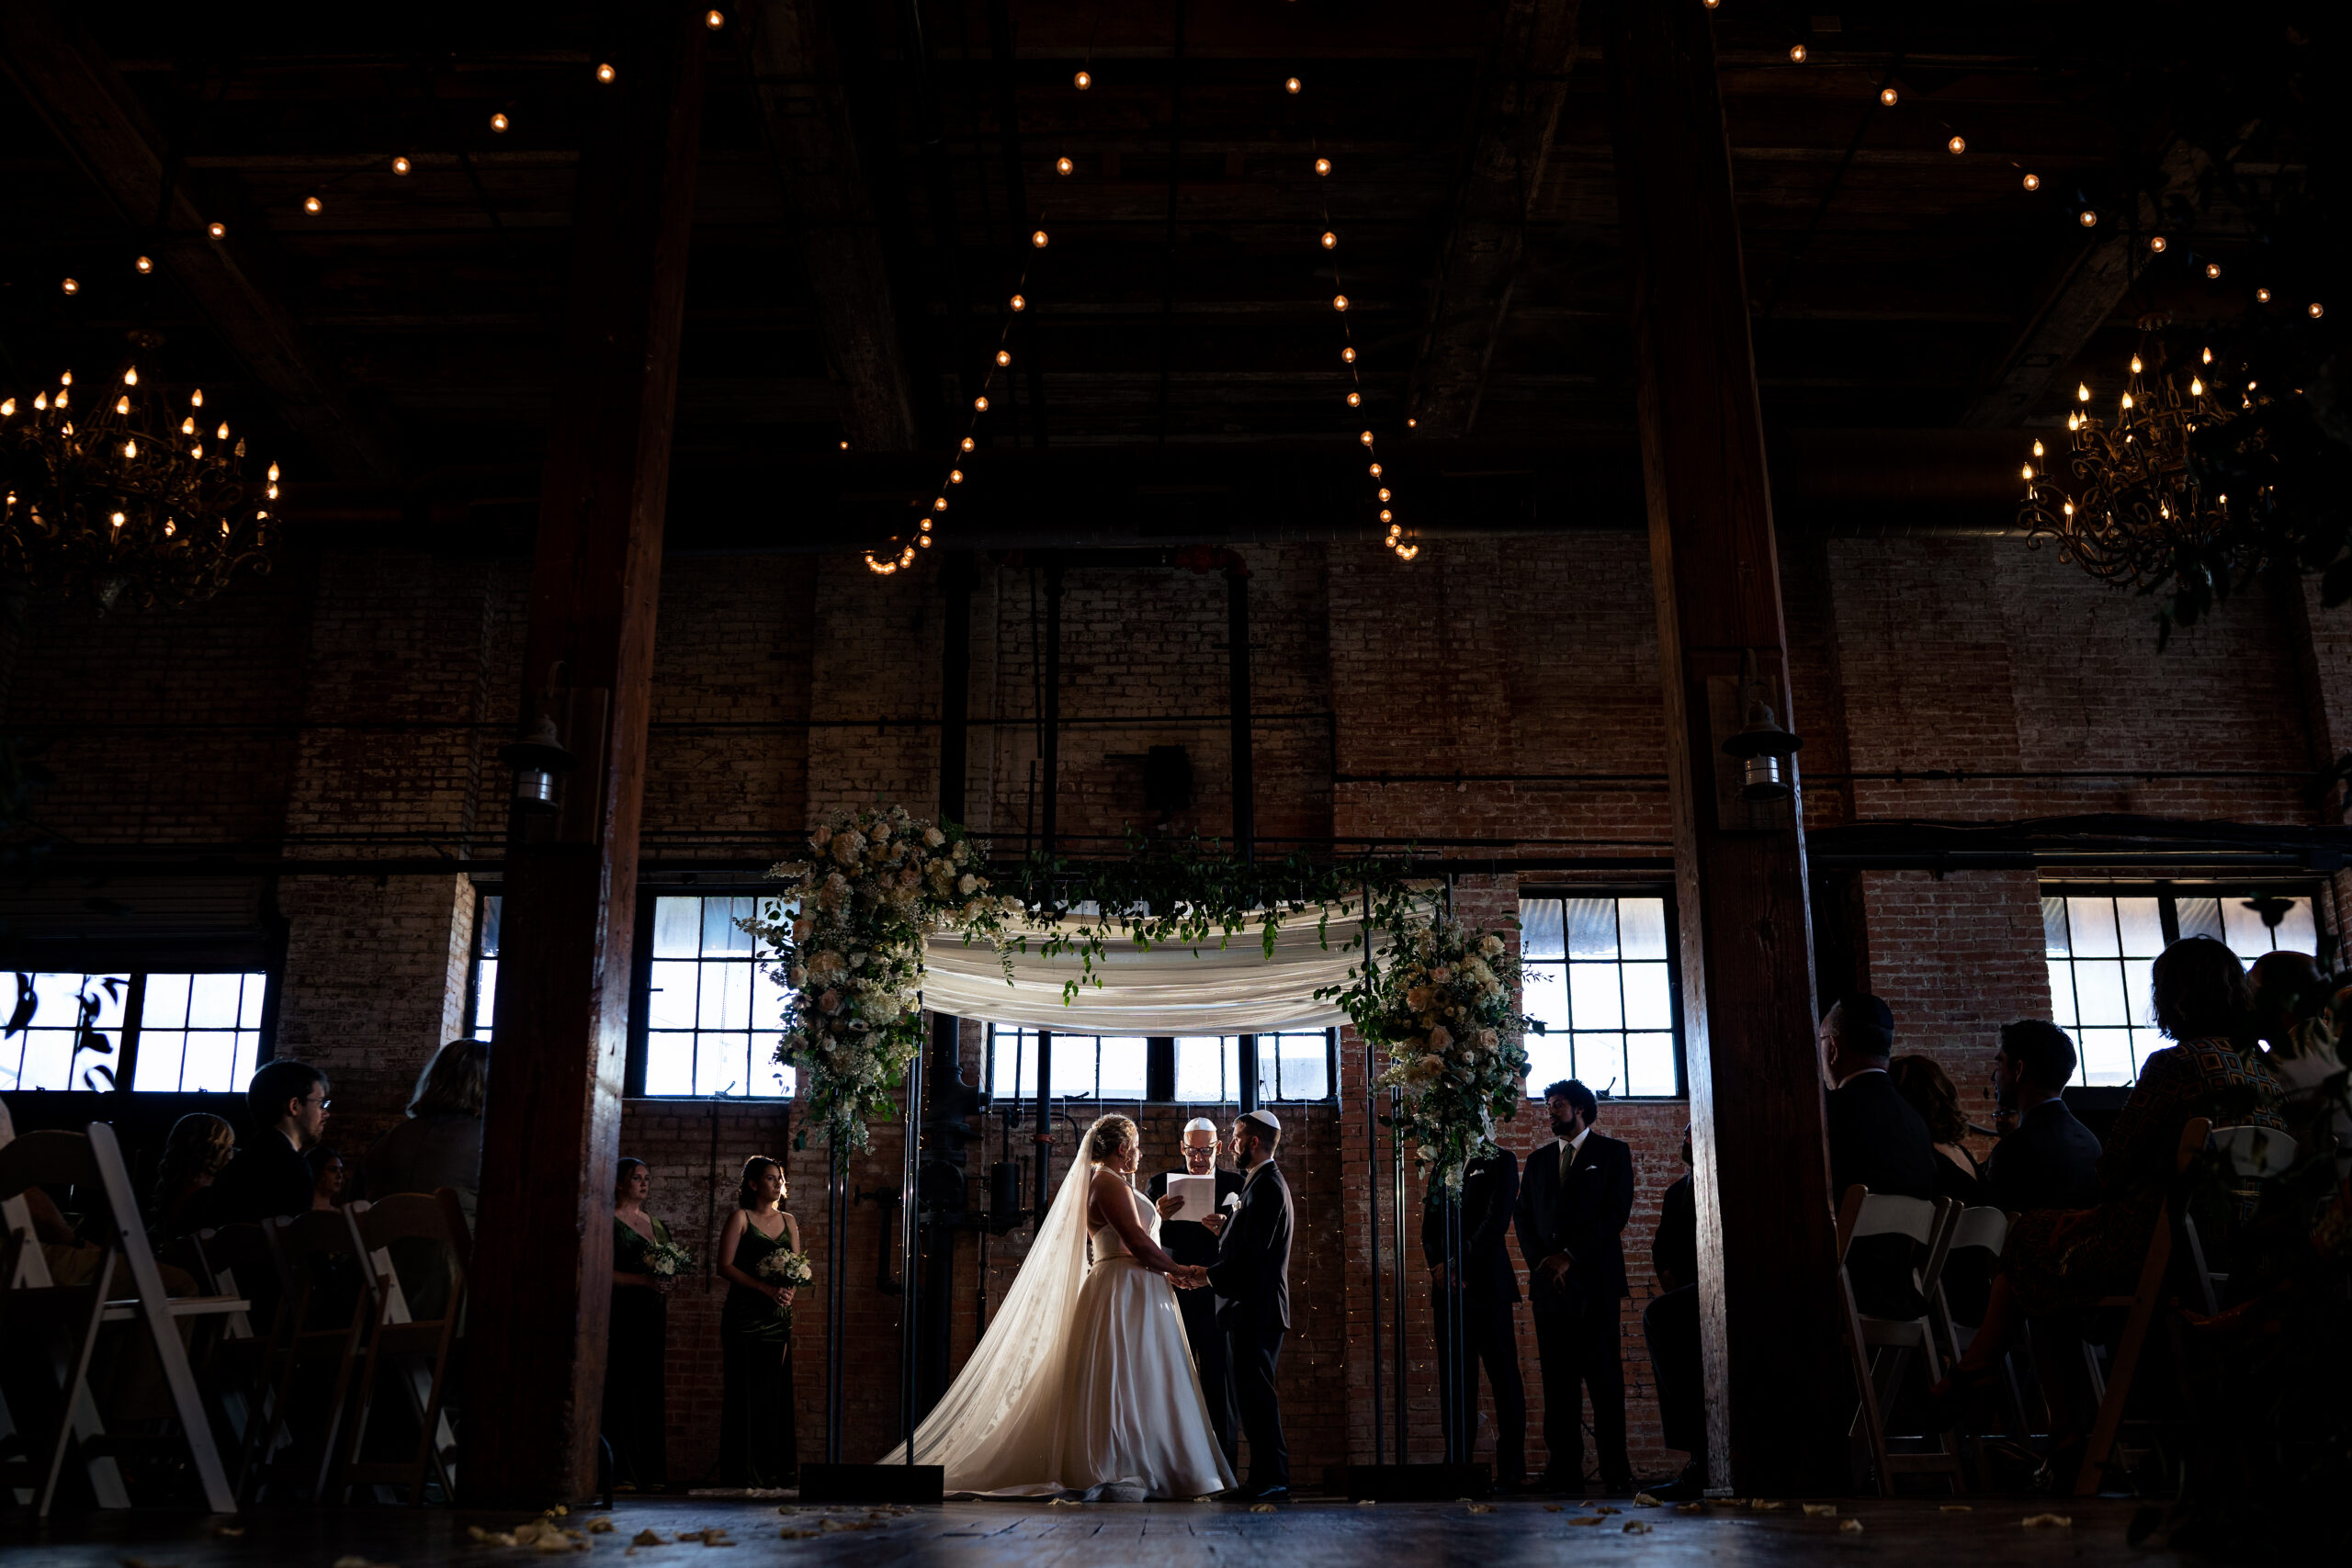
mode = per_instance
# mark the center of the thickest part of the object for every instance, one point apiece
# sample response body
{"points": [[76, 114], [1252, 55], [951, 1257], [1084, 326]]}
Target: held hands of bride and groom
{"points": [[1113, 1201]]}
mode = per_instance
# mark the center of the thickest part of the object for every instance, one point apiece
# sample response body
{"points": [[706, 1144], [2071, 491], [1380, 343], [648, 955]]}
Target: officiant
{"points": [[1190, 1242]]}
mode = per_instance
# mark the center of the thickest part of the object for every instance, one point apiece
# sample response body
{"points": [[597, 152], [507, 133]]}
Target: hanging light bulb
{"points": [[940, 504], [1957, 144], [71, 287], [1348, 355], [605, 74], [2087, 218], [1019, 303], [1384, 492], [980, 403], [1796, 54], [1376, 470], [498, 122], [2212, 269], [1330, 240], [311, 203], [1322, 165], [1003, 357], [1886, 97], [400, 166], [714, 20], [145, 265], [1063, 166], [1038, 239], [1355, 399], [2156, 243], [2261, 296], [216, 229], [1290, 85], [955, 475], [1082, 81], [1365, 437], [967, 443], [2033, 182], [1339, 302], [2317, 310]]}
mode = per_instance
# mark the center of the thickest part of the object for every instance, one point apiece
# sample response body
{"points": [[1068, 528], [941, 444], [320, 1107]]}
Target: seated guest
{"points": [[198, 1149], [2063, 1260], [2051, 1160], [440, 1143], [1927, 1090], [1876, 1141], [326, 1176], [2300, 1016], [288, 1102], [1671, 1325], [1487, 1294]]}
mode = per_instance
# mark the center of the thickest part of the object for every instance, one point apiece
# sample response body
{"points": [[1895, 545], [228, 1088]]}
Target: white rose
{"points": [[848, 846], [967, 885], [1491, 946], [933, 837], [1439, 1038]]}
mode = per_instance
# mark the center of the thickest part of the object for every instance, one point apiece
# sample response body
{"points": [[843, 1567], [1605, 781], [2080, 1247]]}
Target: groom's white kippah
{"points": [[1264, 1119], [1200, 1124]]}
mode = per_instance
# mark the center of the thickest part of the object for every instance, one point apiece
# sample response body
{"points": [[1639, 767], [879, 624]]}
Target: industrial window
{"points": [[2102, 942], [148, 1031], [707, 1015], [1598, 971], [1292, 1064]]}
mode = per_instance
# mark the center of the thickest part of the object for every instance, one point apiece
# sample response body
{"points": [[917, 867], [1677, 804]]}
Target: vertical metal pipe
{"points": [[1049, 739], [1372, 1212], [909, 1252], [1237, 619], [1042, 1139], [836, 1265], [1245, 1054], [1397, 1276]]}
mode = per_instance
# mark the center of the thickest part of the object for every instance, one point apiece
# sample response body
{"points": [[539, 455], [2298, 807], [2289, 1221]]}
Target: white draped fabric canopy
{"points": [[1178, 988]]}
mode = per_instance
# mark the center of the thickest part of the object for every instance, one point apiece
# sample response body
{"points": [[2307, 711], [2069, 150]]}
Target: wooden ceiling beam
{"points": [[234, 282], [803, 100], [1471, 296], [2089, 285]]}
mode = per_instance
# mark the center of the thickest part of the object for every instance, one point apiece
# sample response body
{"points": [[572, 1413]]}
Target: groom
{"points": [[1252, 1276]]}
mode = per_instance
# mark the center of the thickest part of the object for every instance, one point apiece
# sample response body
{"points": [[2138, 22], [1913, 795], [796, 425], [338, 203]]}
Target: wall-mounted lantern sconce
{"points": [[1762, 746], [539, 763]]}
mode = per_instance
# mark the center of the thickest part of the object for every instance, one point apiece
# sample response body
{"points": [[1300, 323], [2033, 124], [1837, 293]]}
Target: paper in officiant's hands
{"points": [[1199, 1195]]}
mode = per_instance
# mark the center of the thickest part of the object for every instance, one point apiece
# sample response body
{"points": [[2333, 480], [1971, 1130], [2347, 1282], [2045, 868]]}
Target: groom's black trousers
{"points": [[1254, 1353], [1207, 1340]]}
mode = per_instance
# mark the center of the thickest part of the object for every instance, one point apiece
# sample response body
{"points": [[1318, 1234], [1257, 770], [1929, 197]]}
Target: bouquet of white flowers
{"points": [[784, 1267], [665, 1260]]}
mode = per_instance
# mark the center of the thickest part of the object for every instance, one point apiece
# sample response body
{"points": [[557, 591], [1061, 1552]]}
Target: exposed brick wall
{"points": [[354, 701]]}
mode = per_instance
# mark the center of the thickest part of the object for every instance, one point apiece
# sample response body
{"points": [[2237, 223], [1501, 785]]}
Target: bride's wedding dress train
{"points": [[1083, 1382]]}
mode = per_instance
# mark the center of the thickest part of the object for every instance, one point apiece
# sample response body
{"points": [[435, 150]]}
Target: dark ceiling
{"points": [[855, 235]]}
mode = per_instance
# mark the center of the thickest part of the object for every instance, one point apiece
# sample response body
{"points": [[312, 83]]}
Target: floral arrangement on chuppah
{"points": [[1443, 1010], [849, 927]]}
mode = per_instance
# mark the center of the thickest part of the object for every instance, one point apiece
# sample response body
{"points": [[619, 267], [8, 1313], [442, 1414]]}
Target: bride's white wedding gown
{"points": [[1084, 1381]]}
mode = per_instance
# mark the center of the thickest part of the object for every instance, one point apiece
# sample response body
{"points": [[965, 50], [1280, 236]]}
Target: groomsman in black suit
{"points": [[1487, 1292], [1573, 1203], [1251, 1277], [1189, 1242]]}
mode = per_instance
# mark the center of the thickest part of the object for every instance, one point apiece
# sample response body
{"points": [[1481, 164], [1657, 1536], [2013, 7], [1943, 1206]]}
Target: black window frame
{"points": [[1664, 891], [202, 960], [1160, 1067]]}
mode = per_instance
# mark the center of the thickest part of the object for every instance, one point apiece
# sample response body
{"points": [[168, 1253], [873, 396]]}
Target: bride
{"points": [[1085, 1381]]}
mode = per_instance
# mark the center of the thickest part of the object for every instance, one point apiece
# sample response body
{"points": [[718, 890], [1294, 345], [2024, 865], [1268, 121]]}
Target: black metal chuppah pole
{"points": [[1372, 1204], [836, 1302], [910, 1297]]}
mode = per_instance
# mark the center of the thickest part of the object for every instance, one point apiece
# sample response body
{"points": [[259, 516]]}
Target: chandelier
{"points": [[120, 492], [2124, 500]]}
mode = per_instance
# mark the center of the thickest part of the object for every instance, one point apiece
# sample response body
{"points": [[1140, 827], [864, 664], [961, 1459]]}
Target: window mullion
{"points": [[135, 1002]]}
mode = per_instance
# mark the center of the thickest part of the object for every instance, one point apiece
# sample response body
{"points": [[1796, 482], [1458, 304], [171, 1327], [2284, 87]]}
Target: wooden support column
{"points": [[542, 1296], [1777, 1377]]}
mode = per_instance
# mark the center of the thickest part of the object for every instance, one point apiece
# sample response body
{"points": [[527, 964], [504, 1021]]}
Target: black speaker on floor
{"points": [[1413, 1482], [872, 1482]]}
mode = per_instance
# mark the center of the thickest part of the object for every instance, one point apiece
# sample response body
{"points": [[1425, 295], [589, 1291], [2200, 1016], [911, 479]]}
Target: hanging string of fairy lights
{"points": [[1384, 498]]}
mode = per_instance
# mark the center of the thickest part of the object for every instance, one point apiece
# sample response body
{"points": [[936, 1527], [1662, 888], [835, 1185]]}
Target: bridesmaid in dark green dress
{"points": [[635, 1376], [756, 1444]]}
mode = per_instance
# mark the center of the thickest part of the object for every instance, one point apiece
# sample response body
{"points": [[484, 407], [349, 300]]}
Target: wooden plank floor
{"points": [[1310, 1534]]}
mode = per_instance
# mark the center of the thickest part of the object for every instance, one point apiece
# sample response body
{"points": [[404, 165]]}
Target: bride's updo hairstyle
{"points": [[1109, 1138]]}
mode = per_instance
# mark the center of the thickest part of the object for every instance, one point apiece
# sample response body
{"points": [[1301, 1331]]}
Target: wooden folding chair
{"points": [[2140, 1310], [325, 1322], [423, 1232], [1928, 1224], [1983, 1229], [2253, 1154], [243, 1263], [60, 1324]]}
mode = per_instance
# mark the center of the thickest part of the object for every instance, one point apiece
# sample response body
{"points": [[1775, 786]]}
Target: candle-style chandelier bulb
{"points": [[273, 476], [187, 425], [122, 405], [196, 398], [130, 376], [221, 433]]}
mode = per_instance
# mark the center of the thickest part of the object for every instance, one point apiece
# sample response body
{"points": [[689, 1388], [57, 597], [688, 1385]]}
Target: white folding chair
{"points": [[1983, 1229], [55, 1327], [1926, 1224]]}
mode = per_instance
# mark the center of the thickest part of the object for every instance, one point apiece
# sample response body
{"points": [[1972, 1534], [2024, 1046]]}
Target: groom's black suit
{"points": [[1251, 1277], [1189, 1242]]}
